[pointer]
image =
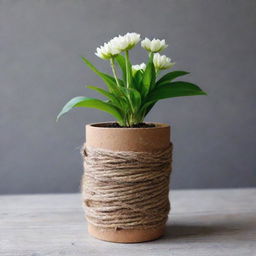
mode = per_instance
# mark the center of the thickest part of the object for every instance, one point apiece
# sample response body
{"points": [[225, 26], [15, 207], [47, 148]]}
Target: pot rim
{"points": [[101, 126]]}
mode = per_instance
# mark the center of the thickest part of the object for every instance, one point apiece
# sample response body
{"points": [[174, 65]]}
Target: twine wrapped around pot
{"points": [[126, 190]]}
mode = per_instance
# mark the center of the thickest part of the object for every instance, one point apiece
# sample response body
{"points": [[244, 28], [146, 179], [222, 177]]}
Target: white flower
{"points": [[125, 42], [162, 62], [107, 51], [141, 66], [156, 45]]}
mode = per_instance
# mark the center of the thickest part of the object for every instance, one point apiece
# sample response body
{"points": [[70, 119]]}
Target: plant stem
{"points": [[126, 67], [128, 78], [112, 64]]}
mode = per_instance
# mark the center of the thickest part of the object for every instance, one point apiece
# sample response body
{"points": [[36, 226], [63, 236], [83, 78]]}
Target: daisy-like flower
{"points": [[107, 51], [141, 66], [162, 62], [155, 45], [126, 42]]}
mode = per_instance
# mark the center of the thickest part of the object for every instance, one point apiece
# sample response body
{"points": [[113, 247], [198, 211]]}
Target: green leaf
{"points": [[109, 80], [175, 89], [170, 76], [133, 99], [112, 80], [90, 103], [149, 77], [128, 70], [136, 99], [121, 62], [137, 79], [107, 94]]}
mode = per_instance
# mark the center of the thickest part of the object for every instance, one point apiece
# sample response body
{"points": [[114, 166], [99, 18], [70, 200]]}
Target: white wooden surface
{"points": [[202, 223]]}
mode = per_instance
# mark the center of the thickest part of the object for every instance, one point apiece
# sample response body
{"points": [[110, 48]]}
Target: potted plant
{"points": [[127, 163]]}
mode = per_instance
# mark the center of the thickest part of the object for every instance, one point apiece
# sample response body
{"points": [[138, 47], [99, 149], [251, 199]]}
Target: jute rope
{"points": [[126, 190]]}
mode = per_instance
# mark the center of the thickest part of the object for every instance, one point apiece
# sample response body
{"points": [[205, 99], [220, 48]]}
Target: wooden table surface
{"points": [[201, 223]]}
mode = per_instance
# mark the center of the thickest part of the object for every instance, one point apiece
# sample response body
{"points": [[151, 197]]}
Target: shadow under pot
{"points": [[125, 184]]}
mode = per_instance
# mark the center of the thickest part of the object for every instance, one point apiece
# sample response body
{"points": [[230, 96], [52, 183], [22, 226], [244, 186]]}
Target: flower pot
{"points": [[128, 205]]}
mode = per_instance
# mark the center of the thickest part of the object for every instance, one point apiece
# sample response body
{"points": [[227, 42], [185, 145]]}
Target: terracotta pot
{"points": [[127, 139]]}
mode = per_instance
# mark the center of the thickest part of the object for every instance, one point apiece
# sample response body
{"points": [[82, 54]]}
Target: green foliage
{"points": [[131, 98], [170, 76], [149, 77], [91, 103]]}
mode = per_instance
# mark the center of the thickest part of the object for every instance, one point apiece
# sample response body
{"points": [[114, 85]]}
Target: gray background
{"points": [[40, 69]]}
